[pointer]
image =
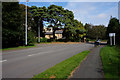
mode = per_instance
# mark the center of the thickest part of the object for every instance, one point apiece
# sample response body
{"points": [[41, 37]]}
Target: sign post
{"points": [[112, 35]]}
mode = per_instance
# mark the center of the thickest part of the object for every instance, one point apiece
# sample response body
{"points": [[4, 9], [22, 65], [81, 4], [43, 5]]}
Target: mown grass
{"points": [[20, 47], [111, 61], [63, 70]]}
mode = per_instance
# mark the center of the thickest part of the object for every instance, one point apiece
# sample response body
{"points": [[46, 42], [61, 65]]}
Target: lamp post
{"points": [[26, 25], [39, 31]]}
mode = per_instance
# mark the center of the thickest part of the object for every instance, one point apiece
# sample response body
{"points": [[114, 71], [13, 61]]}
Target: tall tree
{"points": [[114, 27], [11, 15], [55, 17], [39, 15], [13, 20], [11, 24], [80, 31], [95, 32], [68, 27]]}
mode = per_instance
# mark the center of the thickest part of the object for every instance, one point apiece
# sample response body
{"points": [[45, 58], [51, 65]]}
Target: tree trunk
{"points": [[41, 28], [54, 33]]}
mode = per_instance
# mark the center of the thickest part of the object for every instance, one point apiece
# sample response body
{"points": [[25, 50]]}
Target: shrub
{"points": [[12, 38], [31, 37], [30, 44], [87, 40], [43, 40]]}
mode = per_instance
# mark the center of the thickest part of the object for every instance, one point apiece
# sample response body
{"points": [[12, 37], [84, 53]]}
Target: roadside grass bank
{"points": [[110, 56], [63, 69], [16, 48]]}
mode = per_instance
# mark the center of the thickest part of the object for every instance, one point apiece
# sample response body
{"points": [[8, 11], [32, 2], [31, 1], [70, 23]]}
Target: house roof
{"points": [[56, 32], [59, 32], [48, 33]]}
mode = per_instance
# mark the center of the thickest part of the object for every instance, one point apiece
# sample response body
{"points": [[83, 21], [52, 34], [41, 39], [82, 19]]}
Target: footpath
{"points": [[91, 67]]}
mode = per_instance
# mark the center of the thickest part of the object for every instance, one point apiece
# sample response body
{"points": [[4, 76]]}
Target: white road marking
{"points": [[3, 60], [45, 52], [37, 53]]}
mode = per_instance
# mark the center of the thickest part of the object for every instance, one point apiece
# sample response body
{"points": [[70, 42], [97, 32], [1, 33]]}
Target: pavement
{"points": [[26, 63], [91, 67]]}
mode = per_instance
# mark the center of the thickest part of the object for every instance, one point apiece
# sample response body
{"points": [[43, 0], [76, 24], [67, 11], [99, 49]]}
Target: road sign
{"points": [[112, 35]]}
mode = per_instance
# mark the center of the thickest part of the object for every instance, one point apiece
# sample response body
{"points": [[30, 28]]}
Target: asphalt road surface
{"points": [[28, 62]]}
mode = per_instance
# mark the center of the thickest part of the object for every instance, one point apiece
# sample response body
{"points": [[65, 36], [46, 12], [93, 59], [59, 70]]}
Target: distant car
{"points": [[97, 42]]}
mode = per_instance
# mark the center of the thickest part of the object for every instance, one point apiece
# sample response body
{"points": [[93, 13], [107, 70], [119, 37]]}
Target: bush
{"points": [[12, 38], [31, 37], [43, 40], [60, 40], [30, 44], [87, 40]]}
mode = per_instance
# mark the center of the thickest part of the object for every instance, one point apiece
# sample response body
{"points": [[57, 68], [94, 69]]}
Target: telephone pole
{"points": [[26, 25]]}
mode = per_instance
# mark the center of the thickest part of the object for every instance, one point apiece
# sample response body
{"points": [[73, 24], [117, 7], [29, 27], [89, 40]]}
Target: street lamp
{"points": [[26, 25], [39, 31]]}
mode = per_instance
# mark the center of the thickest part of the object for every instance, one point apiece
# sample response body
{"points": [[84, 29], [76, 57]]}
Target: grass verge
{"points": [[20, 47], [63, 69], [111, 61]]}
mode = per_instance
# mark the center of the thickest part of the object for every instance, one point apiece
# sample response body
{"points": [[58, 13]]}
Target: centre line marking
{"points": [[3, 60]]}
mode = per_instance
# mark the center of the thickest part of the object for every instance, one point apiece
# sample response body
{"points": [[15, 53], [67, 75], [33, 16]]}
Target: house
{"points": [[49, 33]]}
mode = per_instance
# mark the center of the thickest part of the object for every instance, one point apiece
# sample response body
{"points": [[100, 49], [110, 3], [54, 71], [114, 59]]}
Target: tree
{"points": [[114, 27], [68, 25], [11, 24], [11, 15], [55, 17], [39, 15], [13, 20], [95, 32], [80, 31]]}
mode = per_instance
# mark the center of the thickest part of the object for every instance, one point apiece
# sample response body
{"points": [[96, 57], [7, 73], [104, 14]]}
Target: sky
{"points": [[96, 13], [119, 11]]}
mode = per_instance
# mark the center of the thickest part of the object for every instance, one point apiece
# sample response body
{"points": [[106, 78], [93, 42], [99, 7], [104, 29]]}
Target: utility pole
{"points": [[39, 31], [114, 38], [111, 41], [26, 25]]}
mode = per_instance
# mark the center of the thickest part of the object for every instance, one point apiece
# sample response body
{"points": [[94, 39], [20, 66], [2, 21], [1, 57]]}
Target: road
{"points": [[26, 63]]}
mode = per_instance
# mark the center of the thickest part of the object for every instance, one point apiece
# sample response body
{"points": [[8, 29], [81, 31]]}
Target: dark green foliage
{"points": [[74, 31], [55, 18], [11, 15], [95, 32], [12, 33], [61, 40], [43, 40], [114, 27], [13, 20], [11, 38], [31, 37], [39, 15]]}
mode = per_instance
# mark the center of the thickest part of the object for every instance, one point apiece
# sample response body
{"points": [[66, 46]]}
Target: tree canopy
{"points": [[114, 27], [95, 32], [56, 16]]}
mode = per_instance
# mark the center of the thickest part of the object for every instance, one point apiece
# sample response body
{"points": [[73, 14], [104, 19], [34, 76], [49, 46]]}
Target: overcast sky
{"points": [[87, 12]]}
